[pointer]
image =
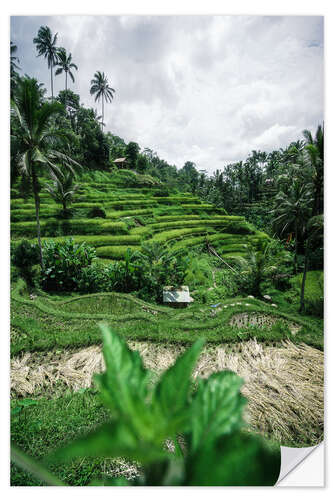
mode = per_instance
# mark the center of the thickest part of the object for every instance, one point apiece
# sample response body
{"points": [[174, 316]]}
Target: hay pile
{"points": [[284, 385], [262, 320]]}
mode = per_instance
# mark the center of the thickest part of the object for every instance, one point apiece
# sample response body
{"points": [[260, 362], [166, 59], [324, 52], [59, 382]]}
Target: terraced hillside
{"points": [[111, 216]]}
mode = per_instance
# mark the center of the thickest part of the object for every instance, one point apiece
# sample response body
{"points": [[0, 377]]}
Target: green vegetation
{"points": [[66, 327], [314, 291], [91, 242]]}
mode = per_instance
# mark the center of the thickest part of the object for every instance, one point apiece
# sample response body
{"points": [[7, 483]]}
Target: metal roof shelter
{"points": [[120, 162], [177, 297]]}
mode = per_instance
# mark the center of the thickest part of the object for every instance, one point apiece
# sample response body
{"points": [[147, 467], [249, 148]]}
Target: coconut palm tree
{"points": [[37, 140], [63, 189], [100, 87], [314, 157], [292, 211], [46, 46], [13, 59], [13, 67], [257, 265], [65, 64]]}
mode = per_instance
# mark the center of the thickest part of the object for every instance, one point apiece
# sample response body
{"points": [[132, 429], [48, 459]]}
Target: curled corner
{"points": [[291, 458]]}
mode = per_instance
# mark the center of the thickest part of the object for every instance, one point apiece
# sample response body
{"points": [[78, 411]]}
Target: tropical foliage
{"points": [[37, 151], [63, 189], [102, 90], [46, 46], [66, 65]]}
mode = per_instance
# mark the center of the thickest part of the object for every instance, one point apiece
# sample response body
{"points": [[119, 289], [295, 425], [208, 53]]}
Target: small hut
{"points": [[177, 297], [120, 162]]}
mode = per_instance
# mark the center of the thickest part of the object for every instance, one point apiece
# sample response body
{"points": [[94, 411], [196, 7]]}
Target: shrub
{"points": [[199, 273], [63, 264], [124, 276], [96, 278], [228, 282], [24, 256], [157, 267], [97, 212], [163, 192]]}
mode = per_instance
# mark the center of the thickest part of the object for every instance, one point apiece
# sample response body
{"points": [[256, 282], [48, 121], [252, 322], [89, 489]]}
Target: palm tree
{"points": [[46, 46], [65, 64], [314, 154], [256, 266], [292, 211], [37, 139], [98, 117], [13, 66], [63, 189], [100, 87]]}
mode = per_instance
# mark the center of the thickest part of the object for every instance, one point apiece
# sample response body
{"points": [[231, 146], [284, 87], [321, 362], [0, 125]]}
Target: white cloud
{"points": [[205, 89]]}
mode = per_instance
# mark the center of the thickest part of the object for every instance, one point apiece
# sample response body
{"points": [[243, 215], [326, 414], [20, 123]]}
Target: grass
{"points": [[96, 241], [116, 252], [314, 291], [68, 327], [176, 234], [42, 428], [56, 227]]}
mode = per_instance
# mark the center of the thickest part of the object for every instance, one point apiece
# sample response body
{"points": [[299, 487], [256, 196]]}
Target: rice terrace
{"points": [[111, 384]]}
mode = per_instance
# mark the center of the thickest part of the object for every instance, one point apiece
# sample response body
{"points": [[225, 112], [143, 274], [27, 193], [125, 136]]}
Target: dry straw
{"points": [[284, 385]]}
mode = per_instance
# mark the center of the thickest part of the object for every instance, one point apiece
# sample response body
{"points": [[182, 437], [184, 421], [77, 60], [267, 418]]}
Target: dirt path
{"points": [[284, 385]]}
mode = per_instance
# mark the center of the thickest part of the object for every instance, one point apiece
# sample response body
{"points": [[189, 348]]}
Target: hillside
{"points": [[133, 215]]}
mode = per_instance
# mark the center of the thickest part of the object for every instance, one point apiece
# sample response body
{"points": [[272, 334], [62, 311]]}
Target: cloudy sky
{"points": [[208, 89]]}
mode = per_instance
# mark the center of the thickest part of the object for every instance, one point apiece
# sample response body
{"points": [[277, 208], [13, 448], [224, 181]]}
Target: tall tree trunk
{"points": [[306, 264], [296, 248], [52, 79], [66, 92], [102, 112], [317, 204], [37, 206]]}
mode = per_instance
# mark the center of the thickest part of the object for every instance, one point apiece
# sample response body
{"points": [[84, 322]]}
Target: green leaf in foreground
{"points": [[237, 459], [124, 386], [111, 441], [30, 465], [216, 408], [173, 390]]}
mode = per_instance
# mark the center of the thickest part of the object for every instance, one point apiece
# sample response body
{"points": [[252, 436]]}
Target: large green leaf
{"points": [[30, 465], [216, 408], [237, 459], [111, 440], [124, 386], [172, 392]]}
